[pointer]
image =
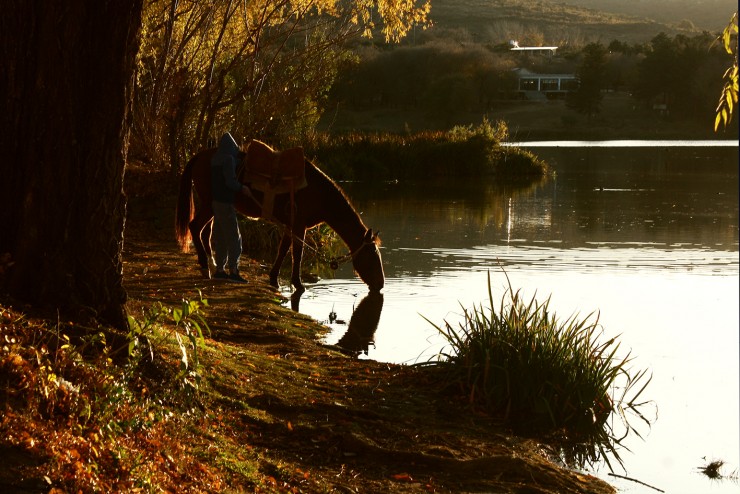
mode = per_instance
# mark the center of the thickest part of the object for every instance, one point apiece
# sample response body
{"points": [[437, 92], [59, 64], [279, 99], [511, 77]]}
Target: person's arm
{"points": [[231, 180], [229, 170]]}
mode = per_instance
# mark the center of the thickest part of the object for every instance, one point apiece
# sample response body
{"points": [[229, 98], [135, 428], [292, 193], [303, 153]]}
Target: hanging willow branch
{"points": [[728, 97]]}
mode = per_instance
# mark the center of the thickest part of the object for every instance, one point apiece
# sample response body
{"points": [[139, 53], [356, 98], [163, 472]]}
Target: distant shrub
{"points": [[514, 164], [463, 151], [487, 132]]}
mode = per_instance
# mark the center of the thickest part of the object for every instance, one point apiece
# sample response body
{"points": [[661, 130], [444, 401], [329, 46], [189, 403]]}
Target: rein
{"points": [[334, 262]]}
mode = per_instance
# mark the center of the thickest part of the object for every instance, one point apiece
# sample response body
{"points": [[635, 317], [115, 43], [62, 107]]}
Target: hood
{"points": [[228, 145]]}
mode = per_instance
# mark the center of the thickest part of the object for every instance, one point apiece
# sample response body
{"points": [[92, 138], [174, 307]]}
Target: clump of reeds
{"points": [[712, 469], [520, 362], [463, 151]]}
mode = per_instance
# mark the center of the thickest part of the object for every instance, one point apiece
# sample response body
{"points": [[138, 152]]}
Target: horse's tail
{"points": [[185, 209]]}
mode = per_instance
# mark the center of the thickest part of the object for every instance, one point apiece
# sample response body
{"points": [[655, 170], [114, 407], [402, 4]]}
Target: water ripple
{"points": [[602, 257]]}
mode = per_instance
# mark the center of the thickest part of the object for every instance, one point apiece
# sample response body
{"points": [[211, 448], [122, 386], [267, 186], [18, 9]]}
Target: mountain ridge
{"points": [[573, 23]]}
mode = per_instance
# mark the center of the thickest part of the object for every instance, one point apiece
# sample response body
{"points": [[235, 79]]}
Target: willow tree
{"points": [[258, 68], [66, 78]]}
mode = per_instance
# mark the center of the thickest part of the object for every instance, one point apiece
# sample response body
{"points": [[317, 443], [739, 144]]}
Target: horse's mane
{"points": [[333, 186], [336, 192]]}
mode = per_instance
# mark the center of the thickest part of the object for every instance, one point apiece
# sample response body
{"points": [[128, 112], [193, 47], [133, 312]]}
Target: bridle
{"points": [[336, 261]]}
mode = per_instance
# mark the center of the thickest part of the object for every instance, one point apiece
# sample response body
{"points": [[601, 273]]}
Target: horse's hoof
{"points": [[205, 273]]}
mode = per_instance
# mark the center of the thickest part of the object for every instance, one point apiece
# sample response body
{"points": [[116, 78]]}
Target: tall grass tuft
{"points": [[520, 362]]}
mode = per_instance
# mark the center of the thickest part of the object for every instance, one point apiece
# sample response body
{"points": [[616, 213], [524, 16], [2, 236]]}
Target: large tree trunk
{"points": [[66, 80]]}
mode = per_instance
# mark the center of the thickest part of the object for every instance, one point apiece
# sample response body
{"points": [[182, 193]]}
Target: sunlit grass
{"points": [[520, 362], [106, 427]]}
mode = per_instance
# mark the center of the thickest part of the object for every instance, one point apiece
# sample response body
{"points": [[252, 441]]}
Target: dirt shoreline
{"points": [[346, 425]]}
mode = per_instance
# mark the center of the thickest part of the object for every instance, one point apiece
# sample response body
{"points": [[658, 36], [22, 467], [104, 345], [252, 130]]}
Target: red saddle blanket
{"points": [[276, 171], [273, 172]]}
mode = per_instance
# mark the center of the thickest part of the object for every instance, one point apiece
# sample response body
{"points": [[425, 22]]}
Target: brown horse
{"points": [[321, 200]]}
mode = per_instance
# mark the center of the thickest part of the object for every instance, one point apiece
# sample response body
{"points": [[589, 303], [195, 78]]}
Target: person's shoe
{"points": [[220, 275], [237, 278]]}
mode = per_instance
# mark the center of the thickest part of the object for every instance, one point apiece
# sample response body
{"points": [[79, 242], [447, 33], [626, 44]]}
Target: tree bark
{"points": [[66, 79]]}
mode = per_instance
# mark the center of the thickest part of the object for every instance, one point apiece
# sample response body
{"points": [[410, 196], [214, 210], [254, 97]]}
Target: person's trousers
{"points": [[226, 240]]}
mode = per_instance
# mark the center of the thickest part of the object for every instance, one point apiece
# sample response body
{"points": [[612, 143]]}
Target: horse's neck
{"points": [[342, 217], [350, 230]]}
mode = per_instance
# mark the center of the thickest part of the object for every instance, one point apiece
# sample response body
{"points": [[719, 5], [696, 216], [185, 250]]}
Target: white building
{"points": [[534, 86]]}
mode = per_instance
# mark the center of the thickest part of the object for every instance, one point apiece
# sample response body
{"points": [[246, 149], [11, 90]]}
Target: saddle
{"points": [[273, 172]]}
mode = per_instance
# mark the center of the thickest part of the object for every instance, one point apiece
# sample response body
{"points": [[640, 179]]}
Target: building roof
{"points": [[522, 73], [534, 48]]}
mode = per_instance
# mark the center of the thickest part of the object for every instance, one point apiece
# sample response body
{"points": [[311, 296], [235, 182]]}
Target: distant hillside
{"points": [[707, 15], [543, 22]]}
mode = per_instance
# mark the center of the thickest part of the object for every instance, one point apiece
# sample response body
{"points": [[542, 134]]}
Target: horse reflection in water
{"points": [[362, 325]]}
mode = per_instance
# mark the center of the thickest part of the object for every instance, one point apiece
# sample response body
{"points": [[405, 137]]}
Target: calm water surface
{"points": [[645, 234]]}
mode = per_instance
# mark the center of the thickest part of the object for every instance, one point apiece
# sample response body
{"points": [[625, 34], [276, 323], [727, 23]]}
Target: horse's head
{"points": [[367, 262]]}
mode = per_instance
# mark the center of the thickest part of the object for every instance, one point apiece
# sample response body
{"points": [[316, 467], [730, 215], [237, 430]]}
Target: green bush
{"points": [[185, 325], [523, 364]]}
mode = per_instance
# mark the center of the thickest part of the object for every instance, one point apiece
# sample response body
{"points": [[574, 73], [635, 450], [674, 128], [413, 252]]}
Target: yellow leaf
{"points": [[402, 477]]}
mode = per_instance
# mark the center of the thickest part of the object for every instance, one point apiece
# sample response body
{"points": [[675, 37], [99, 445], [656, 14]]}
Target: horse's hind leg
{"points": [[281, 253], [200, 231]]}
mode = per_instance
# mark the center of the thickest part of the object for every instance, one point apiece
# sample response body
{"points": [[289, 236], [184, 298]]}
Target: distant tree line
{"points": [[270, 73], [442, 77], [205, 68], [439, 77], [684, 73]]}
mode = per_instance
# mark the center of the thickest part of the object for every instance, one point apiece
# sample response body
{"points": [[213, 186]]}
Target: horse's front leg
{"points": [[282, 251], [295, 277]]}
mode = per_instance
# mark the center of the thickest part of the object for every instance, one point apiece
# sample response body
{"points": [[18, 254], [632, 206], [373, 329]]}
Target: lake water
{"points": [[645, 234]]}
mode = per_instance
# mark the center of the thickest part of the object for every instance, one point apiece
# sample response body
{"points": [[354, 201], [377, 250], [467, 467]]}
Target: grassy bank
{"points": [[264, 408]]}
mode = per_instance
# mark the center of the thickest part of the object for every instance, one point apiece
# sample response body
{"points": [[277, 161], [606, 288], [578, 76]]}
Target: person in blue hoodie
{"points": [[226, 238]]}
